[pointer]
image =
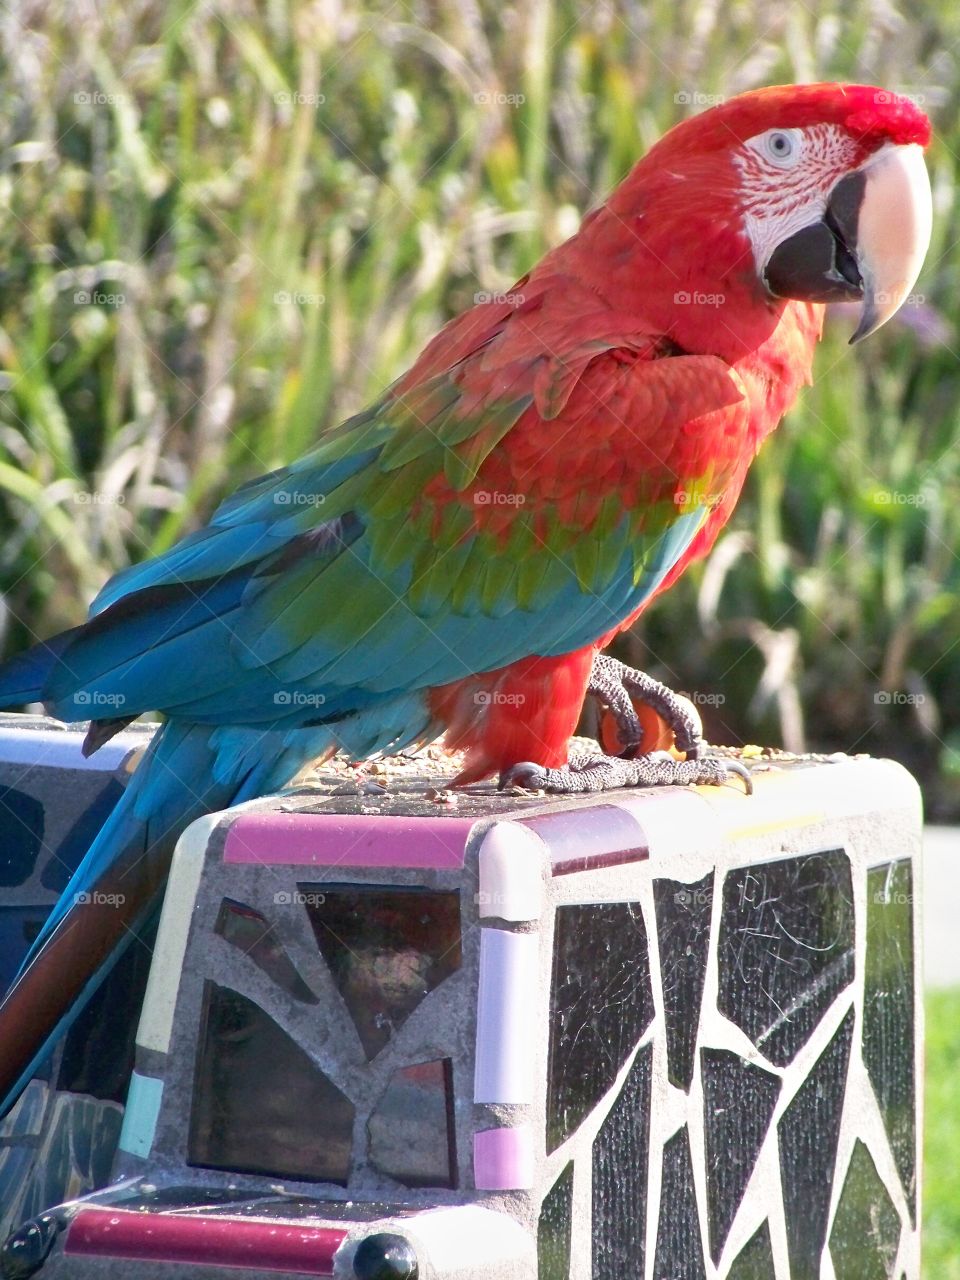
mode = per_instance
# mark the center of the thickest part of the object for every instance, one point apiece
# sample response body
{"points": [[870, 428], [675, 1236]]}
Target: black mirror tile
{"points": [[74, 843], [786, 948], [254, 935], [866, 1229], [18, 928], [387, 947], [808, 1134], [260, 1104], [600, 1005], [679, 1245], [683, 937], [411, 1133], [888, 1012], [755, 1259], [738, 1101], [79, 1142], [553, 1229], [21, 835], [620, 1154], [99, 1048]]}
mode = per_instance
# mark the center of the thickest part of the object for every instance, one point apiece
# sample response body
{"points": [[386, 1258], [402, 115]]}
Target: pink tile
{"points": [[503, 1159], [601, 835], [204, 1241], [349, 840]]}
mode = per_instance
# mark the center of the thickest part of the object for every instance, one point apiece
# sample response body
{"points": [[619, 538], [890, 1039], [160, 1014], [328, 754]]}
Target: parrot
{"points": [[455, 558]]}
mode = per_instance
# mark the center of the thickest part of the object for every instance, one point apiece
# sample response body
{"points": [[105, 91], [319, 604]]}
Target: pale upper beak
{"points": [[896, 216], [869, 244]]}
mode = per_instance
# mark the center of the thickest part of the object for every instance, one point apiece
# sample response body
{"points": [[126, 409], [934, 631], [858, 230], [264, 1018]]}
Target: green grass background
{"points": [[941, 1186]]}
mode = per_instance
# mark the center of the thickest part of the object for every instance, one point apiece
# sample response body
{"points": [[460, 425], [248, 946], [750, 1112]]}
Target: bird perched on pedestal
{"points": [[455, 558]]}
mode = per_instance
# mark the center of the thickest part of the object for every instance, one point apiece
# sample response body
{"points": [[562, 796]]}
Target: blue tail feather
{"points": [[110, 897], [164, 796]]}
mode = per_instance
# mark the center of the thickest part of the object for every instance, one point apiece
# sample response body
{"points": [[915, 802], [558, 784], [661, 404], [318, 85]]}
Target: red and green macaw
{"points": [[455, 558]]}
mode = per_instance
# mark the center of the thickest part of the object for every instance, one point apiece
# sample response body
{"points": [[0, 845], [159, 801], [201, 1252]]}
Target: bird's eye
{"points": [[782, 146]]}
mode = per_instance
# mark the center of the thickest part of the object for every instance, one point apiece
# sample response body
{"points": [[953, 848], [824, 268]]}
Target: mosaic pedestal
{"points": [[658, 1034]]}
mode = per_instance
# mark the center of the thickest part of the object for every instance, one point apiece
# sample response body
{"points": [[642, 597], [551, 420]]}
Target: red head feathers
{"points": [[870, 115]]}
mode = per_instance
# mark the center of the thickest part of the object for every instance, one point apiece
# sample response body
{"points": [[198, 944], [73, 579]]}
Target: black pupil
{"points": [[780, 143]]}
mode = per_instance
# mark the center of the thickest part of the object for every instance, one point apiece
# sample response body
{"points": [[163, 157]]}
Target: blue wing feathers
{"points": [[209, 553], [218, 651], [22, 679]]}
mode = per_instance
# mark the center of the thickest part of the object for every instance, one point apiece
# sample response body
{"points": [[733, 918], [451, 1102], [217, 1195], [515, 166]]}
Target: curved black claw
{"points": [[525, 774], [614, 682], [603, 773], [736, 769]]}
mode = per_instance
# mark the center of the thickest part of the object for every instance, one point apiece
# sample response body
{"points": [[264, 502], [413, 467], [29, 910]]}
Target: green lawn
{"points": [[941, 1193]]}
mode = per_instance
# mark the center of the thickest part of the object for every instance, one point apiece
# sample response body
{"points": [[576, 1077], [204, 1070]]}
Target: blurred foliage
{"points": [[225, 226], [941, 1171]]}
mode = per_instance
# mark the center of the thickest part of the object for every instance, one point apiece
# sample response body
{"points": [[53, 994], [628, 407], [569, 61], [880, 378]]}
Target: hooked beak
{"points": [[868, 246]]}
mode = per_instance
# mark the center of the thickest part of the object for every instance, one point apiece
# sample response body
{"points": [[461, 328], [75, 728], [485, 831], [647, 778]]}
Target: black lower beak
{"points": [[819, 262]]}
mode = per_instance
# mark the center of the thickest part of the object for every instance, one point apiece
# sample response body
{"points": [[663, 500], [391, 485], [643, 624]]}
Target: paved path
{"points": [[941, 906]]}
